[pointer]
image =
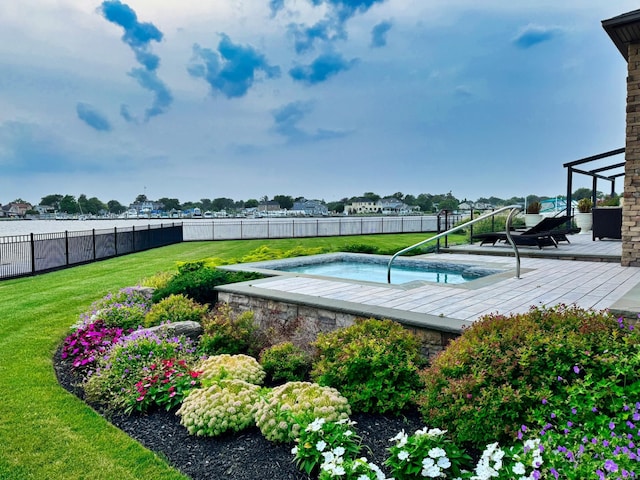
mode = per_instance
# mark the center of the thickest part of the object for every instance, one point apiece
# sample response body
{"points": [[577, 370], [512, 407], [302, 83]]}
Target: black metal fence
{"points": [[22, 255]]}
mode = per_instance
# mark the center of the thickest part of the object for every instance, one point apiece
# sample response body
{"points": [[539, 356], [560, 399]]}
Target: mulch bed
{"points": [[246, 455]]}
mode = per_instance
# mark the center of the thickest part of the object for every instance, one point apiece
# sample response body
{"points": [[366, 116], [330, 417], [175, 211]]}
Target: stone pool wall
{"points": [[317, 319]]}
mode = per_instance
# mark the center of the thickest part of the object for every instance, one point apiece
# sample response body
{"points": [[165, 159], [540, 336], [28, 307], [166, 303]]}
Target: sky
{"points": [[322, 99]]}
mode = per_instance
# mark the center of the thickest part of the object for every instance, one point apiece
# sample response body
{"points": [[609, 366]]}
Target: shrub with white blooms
{"points": [[226, 405], [225, 366], [289, 408]]}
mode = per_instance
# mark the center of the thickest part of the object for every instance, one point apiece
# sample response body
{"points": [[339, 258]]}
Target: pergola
{"points": [[598, 173]]}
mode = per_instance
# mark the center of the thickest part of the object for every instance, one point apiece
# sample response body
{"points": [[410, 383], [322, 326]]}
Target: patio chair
{"points": [[546, 233]]}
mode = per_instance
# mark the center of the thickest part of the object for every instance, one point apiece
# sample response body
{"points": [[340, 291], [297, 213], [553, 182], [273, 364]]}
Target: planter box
{"points": [[607, 222]]}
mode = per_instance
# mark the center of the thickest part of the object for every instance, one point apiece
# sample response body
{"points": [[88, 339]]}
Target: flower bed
{"points": [[554, 393]]}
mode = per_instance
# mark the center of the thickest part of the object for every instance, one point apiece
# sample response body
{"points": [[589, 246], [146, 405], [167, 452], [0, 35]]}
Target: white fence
{"points": [[266, 228]]}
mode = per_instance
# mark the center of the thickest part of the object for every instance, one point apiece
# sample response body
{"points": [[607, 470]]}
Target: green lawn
{"points": [[47, 433]]}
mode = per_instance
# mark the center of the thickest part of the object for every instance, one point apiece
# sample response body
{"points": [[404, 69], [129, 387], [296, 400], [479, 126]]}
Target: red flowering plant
{"points": [[87, 344], [165, 385]]}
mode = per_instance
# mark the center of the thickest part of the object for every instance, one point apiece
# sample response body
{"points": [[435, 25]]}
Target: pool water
{"points": [[377, 272]]}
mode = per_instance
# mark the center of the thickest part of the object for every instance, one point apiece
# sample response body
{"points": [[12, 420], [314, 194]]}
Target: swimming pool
{"points": [[373, 268]]}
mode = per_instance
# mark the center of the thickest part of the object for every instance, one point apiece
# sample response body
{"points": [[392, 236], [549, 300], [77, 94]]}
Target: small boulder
{"points": [[188, 328]]}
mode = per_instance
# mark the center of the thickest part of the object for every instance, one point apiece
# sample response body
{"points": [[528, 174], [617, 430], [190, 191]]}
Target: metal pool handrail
{"points": [[514, 209]]}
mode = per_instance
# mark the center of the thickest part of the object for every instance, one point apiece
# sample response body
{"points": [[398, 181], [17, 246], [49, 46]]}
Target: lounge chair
{"points": [[546, 233]]}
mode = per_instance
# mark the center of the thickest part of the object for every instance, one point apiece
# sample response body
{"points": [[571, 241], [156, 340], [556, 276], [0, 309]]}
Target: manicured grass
{"points": [[47, 433]]}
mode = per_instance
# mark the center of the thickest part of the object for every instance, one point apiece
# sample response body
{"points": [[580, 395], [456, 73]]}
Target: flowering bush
{"points": [[128, 361], [175, 308], [88, 343], [374, 363], [125, 309], [226, 405], [239, 367], [226, 333], [320, 437], [491, 380], [289, 408], [426, 453], [165, 385], [285, 361]]}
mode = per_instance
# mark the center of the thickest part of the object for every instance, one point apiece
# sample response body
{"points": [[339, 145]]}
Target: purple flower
{"points": [[574, 411], [612, 425], [544, 401], [610, 466], [576, 369]]}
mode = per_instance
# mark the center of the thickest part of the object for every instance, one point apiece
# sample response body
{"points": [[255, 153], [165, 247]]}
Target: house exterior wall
{"points": [[631, 204]]}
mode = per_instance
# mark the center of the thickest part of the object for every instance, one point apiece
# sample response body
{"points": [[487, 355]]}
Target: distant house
{"points": [[270, 206], [362, 206], [16, 209], [393, 206], [384, 206], [45, 209], [312, 208]]}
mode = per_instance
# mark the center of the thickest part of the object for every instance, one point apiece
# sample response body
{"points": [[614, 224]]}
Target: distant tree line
{"points": [[425, 201]]}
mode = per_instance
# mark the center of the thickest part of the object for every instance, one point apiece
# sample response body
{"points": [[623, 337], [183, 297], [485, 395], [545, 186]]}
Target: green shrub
{"points": [[158, 280], [224, 333], [125, 309], [374, 363], [175, 308], [130, 360], [496, 376], [224, 406], [286, 362], [289, 408], [360, 248], [236, 367], [264, 252], [198, 282]]}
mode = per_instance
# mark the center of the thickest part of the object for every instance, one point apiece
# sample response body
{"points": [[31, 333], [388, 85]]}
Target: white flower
{"points": [[436, 432], [427, 462], [320, 446], [403, 455], [401, 438], [294, 450], [315, 425], [437, 452], [432, 472], [443, 462], [339, 451], [363, 477], [518, 469]]}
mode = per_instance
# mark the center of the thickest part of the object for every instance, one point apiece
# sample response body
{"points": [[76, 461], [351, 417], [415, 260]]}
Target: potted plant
{"points": [[584, 220], [532, 215]]}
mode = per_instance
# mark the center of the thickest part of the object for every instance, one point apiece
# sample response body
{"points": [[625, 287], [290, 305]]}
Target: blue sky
{"points": [[318, 98]]}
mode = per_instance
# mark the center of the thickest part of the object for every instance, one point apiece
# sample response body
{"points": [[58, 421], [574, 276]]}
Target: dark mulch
{"points": [[243, 456]]}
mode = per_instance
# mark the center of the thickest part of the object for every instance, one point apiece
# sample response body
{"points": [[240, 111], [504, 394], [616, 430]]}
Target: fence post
{"points": [[66, 247], [115, 240], [133, 239], [94, 243], [33, 254]]}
